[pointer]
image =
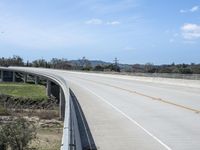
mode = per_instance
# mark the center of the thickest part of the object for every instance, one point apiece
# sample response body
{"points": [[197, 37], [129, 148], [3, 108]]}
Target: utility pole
{"points": [[116, 63]]}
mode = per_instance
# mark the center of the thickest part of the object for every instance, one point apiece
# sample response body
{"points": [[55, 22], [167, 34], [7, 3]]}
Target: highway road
{"points": [[127, 114]]}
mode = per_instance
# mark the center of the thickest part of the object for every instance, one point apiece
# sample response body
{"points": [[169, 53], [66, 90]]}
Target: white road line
{"points": [[132, 120]]}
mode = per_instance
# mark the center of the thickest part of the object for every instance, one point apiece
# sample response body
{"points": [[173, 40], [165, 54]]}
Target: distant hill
{"points": [[94, 63]]}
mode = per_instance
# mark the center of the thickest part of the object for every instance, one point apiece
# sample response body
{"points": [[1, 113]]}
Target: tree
{"points": [[185, 71], [17, 134], [112, 67], [85, 64], [39, 63], [98, 68], [148, 67], [11, 61], [60, 63], [165, 70]]}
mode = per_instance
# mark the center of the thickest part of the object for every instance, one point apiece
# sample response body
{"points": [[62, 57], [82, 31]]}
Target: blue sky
{"points": [[134, 31]]}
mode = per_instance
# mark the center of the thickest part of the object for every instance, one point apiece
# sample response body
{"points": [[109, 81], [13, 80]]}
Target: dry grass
{"points": [[47, 114], [49, 135], [49, 138]]}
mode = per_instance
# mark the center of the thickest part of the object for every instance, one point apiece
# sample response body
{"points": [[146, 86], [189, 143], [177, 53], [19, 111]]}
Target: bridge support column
{"points": [[1, 75], [36, 79], [62, 104], [25, 78], [48, 88], [13, 79]]}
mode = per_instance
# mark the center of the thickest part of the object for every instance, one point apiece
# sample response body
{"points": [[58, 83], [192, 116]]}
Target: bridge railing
{"points": [[161, 75], [74, 119], [66, 142]]}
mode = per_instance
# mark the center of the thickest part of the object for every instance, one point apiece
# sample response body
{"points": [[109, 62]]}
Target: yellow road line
{"points": [[145, 95]]}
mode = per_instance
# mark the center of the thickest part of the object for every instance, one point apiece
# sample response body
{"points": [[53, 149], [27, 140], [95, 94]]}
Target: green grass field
{"points": [[23, 90]]}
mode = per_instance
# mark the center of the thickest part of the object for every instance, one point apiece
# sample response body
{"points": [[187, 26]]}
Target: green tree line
{"points": [[87, 65]]}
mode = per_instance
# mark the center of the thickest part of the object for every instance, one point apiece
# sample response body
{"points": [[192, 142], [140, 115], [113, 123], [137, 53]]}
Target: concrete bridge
{"points": [[113, 112]]}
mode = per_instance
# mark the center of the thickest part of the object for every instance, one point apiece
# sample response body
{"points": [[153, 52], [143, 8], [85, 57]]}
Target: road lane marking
{"points": [[129, 118], [145, 95]]}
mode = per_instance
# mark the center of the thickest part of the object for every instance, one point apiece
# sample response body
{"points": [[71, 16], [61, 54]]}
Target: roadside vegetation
{"points": [[21, 90], [96, 65], [17, 134], [29, 120]]}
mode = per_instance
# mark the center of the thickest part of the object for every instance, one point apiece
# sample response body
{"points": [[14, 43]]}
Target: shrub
{"points": [[17, 134], [3, 111]]}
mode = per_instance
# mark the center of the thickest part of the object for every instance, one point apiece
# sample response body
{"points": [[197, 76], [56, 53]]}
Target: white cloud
{"points": [[183, 11], [193, 9], [94, 21], [190, 31], [113, 23]]}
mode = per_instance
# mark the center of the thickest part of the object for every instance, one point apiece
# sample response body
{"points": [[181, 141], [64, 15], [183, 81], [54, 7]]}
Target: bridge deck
{"points": [[123, 113]]}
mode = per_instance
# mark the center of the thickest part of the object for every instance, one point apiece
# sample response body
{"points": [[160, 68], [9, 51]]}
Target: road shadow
{"points": [[86, 138]]}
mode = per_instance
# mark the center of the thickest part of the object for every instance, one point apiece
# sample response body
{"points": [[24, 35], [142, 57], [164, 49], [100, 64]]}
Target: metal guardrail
{"points": [[81, 136], [161, 75], [156, 75], [169, 75], [75, 140]]}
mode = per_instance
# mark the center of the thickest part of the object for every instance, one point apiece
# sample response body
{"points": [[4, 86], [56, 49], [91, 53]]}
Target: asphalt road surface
{"points": [[127, 114]]}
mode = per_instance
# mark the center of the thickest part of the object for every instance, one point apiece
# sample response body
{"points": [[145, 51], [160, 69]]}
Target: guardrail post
{"points": [[48, 88], [62, 104], [13, 79]]}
